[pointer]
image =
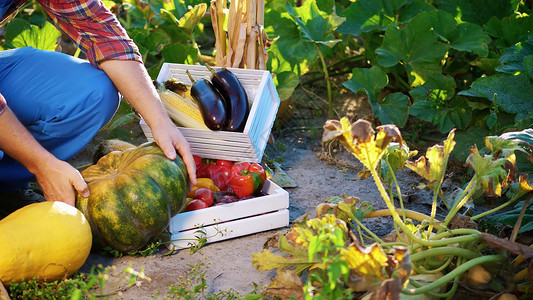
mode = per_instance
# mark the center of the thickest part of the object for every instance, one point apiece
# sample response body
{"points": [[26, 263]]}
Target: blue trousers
{"points": [[61, 100]]}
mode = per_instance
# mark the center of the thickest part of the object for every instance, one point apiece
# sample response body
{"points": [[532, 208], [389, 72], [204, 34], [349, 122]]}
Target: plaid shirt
{"points": [[95, 29]]}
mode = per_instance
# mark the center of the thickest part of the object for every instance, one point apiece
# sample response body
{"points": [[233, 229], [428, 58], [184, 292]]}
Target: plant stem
{"points": [[453, 274], [328, 83], [444, 251], [433, 211], [469, 190], [398, 220], [449, 293], [373, 235], [398, 190], [488, 212], [408, 213], [440, 267]]}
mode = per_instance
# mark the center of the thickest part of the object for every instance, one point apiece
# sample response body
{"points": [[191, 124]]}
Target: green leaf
{"points": [[513, 92], [443, 23], [512, 59], [437, 89], [435, 103], [528, 66], [491, 120], [409, 47], [285, 83], [470, 37], [191, 19], [455, 114], [488, 170], [368, 15], [466, 138], [510, 30], [288, 51], [410, 10], [396, 107], [510, 217], [478, 11], [432, 166], [314, 25], [180, 53], [372, 81], [20, 33]]}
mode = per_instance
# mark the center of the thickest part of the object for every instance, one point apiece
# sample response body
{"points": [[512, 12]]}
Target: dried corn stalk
{"points": [[243, 44]]}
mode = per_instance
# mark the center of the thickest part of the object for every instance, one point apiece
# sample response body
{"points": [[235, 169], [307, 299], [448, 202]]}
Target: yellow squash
{"points": [[49, 241]]}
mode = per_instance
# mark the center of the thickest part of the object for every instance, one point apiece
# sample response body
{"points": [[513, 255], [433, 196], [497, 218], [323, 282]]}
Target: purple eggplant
{"points": [[231, 89], [210, 101]]}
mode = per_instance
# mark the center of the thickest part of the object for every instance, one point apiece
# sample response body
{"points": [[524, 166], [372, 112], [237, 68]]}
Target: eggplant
{"points": [[231, 89], [210, 101]]}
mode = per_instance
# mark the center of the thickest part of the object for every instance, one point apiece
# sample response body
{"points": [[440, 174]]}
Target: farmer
{"points": [[52, 104]]}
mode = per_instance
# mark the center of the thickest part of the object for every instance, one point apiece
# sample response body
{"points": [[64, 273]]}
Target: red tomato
{"points": [[195, 204], [204, 194]]}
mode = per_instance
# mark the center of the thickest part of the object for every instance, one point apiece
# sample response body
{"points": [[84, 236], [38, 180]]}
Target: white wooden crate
{"points": [[248, 145], [233, 219]]}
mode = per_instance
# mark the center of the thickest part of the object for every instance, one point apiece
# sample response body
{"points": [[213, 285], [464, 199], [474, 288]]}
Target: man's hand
{"points": [[133, 82], [60, 181], [170, 139]]}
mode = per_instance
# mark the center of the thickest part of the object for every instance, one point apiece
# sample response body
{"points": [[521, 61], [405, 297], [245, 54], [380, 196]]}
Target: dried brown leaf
{"points": [[362, 130], [462, 221], [286, 285]]}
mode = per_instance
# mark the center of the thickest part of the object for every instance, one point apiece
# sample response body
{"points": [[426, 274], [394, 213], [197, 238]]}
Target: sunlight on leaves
{"points": [[315, 26], [20, 33], [433, 166], [266, 260], [360, 140], [346, 208], [367, 263], [489, 171]]}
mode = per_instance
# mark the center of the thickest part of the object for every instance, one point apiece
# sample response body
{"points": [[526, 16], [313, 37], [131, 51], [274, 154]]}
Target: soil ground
{"points": [[296, 145]]}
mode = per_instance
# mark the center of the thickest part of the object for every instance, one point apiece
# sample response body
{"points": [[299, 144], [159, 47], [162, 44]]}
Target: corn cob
{"points": [[183, 111]]}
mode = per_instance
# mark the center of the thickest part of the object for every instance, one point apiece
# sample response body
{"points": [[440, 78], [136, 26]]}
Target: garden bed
{"points": [[228, 263]]}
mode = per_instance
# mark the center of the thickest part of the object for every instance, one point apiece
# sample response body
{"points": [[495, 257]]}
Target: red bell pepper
{"points": [[222, 162], [201, 168], [220, 175], [247, 179]]}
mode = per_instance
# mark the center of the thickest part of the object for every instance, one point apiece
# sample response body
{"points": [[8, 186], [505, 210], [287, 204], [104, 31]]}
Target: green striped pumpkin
{"points": [[133, 195]]}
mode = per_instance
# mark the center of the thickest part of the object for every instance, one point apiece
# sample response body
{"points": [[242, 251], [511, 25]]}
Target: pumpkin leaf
{"points": [[367, 263], [371, 81], [369, 15], [513, 93], [359, 139], [408, 47], [266, 260], [315, 26], [20, 33], [432, 166], [488, 171]]}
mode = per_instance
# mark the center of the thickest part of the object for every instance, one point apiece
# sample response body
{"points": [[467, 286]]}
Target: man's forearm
{"points": [[18, 143], [133, 82]]}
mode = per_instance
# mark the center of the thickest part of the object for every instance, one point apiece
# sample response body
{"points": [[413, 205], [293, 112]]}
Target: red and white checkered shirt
{"points": [[95, 30]]}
